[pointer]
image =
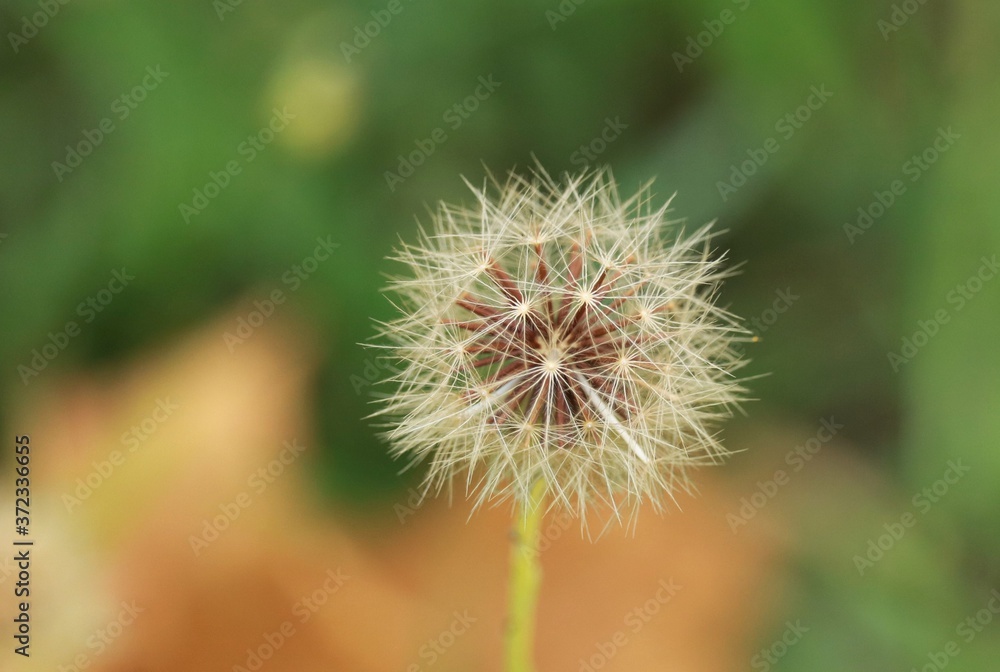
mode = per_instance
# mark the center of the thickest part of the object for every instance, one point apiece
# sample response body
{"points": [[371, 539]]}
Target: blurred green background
{"points": [[686, 92]]}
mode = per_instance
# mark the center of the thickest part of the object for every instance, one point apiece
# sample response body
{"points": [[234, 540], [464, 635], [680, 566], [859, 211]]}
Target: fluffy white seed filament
{"points": [[489, 397], [609, 417]]}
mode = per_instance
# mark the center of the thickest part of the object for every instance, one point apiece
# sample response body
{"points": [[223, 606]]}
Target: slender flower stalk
{"points": [[562, 347], [525, 580]]}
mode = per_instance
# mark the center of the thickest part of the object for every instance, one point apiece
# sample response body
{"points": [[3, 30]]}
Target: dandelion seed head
{"points": [[555, 332]]}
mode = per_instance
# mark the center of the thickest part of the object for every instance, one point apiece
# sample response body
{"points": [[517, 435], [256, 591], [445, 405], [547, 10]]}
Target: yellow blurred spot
{"points": [[325, 99]]}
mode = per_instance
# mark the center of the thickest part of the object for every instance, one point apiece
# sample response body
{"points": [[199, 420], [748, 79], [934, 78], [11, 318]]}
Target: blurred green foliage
{"points": [[560, 83]]}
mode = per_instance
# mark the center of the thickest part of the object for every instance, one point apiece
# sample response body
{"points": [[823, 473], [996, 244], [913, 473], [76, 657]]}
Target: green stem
{"points": [[525, 578]]}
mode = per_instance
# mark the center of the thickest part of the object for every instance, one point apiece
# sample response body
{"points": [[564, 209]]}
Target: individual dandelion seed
{"points": [[558, 337]]}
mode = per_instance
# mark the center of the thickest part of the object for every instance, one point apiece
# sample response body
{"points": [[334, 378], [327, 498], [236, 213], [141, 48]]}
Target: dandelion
{"points": [[562, 347]]}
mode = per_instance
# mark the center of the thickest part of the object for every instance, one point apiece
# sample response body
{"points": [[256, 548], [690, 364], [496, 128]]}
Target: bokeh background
{"points": [[151, 423]]}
